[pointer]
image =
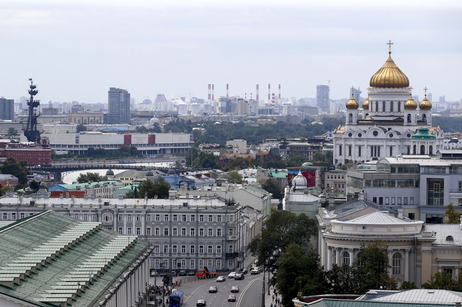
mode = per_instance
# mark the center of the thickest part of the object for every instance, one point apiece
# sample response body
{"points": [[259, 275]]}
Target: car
{"points": [[201, 303], [213, 289], [234, 289], [173, 273], [254, 271], [182, 273], [244, 271], [221, 278], [231, 275], [231, 298], [239, 276], [192, 273]]}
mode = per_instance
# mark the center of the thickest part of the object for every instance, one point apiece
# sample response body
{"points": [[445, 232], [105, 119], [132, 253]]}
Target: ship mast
{"points": [[31, 132]]}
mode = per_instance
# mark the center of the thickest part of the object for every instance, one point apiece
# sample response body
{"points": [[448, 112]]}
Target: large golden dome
{"points": [[389, 76], [352, 103], [410, 104], [366, 104], [425, 104]]}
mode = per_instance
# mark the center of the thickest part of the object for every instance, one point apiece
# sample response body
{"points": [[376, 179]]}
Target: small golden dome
{"points": [[352, 103], [410, 104], [366, 104], [425, 104], [389, 76]]}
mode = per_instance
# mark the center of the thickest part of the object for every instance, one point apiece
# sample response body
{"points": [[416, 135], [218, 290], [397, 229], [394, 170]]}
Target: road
{"points": [[249, 294]]}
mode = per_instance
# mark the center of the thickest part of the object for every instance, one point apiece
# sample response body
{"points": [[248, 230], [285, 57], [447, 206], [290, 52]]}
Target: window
{"points": [[230, 248], [192, 264], [174, 249], [399, 201], [148, 218], [201, 249], [231, 231], [166, 217], [13, 216], [349, 150], [183, 249], [218, 249], [138, 218], [201, 232], [231, 218], [193, 218], [175, 231], [156, 249], [121, 230], [405, 201], [219, 216], [183, 232], [346, 258], [449, 271], [192, 249], [392, 201], [157, 217], [387, 201], [339, 150], [210, 249], [148, 231], [157, 231], [397, 260], [129, 231], [210, 218], [138, 231], [22, 215], [201, 218], [219, 232], [5, 216], [192, 232], [210, 232], [175, 218], [183, 217], [165, 231], [165, 249], [411, 216], [129, 217], [411, 200]]}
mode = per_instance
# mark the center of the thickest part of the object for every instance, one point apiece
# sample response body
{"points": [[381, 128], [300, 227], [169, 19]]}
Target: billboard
{"points": [[310, 176], [127, 139]]}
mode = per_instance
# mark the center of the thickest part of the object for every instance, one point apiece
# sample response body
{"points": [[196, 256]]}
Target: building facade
{"points": [[6, 108], [119, 106], [187, 233], [322, 98], [390, 117]]}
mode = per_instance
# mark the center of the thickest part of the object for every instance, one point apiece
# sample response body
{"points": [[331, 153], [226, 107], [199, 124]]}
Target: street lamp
{"points": [[263, 290]]}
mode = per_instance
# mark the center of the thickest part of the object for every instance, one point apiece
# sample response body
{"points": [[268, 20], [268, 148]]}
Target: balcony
{"points": [[231, 237], [231, 255]]}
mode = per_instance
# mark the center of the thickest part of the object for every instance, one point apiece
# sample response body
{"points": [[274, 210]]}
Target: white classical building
{"points": [[389, 118]]}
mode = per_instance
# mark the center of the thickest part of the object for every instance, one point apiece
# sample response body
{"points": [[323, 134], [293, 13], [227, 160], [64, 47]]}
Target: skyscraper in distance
{"points": [[322, 98], [119, 106], [6, 108]]}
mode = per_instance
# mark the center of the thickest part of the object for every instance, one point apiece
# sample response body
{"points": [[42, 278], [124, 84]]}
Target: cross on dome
{"points": [[425, 89], [389, 46]]}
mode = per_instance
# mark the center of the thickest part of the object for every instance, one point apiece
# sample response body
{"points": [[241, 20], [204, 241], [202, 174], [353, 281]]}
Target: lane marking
{"points": [[239, 300]]}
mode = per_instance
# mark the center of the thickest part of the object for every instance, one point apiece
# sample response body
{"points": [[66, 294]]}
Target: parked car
{"points": [[244, 271], [182, 273], [231, 298], [173, 273], [201, 303], [191, 273], [234, 289], [239, 276], [254, 271], [213, 289], [231, 275], [221, 278]]}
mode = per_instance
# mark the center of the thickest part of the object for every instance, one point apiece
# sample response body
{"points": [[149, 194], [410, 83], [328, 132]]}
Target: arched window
{"points": [[383, 106], [422, 149], [399, 106], [409, 118], [397, 263], [391, 106], [414, 151], [376, 106], [424, 117], [346, 258], [359, 259], [430, 150], [350, 118]]}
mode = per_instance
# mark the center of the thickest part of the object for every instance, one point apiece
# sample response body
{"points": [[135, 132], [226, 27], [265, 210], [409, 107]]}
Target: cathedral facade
{"points": [[389, 118]]}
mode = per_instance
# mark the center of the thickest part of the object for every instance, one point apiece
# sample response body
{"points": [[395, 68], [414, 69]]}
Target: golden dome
{"points": [[352, 103], [425, 104], [410, 104], [366, 104], [389, 76]]}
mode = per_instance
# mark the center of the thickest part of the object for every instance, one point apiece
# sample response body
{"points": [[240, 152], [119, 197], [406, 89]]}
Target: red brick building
{"points": [[34, 154]]}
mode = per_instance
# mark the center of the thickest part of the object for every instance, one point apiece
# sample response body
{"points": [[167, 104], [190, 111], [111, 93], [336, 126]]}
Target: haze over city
{"points": [[76, 50]]}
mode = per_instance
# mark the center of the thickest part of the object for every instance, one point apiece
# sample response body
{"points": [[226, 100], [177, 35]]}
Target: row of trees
{"points": [[284, 247]]}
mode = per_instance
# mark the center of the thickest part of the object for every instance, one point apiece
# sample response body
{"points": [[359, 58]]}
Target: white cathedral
{"points": [[392, 122]]}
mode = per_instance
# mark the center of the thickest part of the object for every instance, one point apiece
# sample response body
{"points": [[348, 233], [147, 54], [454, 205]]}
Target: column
{"points": [[390, 262], [406, 265], [329, 258], [337, 254], [350, 251]]}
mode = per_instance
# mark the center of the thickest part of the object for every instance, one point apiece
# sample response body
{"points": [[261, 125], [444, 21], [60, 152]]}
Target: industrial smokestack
{"points": [[257, 94], [227, 90], [269, 93], [210, 95], [279, 92], [213, 92]]}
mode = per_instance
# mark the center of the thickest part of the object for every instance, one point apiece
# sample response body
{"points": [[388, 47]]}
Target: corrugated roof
{"points": [[443, 231], [423, 296], [378, 218], [350, 303]]}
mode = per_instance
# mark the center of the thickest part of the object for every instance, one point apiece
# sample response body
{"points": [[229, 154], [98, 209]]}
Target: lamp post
{"points": [[263, 291]]}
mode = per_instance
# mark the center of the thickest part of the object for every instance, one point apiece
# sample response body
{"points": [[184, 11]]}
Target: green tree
{"points": [[273, 186], [5, 189], [281, 229], [90, 177], [407, 285], [34, 185], [159, 187], [17, 169], [12, 131], [81, 127], [233, 177], [237, 164], [451, 216], [441, 280]]}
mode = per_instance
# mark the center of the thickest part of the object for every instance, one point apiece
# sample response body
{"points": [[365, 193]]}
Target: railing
{"points": [[455, 191]]}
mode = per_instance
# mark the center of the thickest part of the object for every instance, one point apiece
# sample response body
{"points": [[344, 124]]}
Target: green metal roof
{"points": [[277, 174], [65, 252], [423, 134]]}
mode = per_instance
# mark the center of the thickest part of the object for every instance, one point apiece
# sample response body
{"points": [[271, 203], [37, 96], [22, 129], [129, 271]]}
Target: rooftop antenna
{"points": [[328, 82]]}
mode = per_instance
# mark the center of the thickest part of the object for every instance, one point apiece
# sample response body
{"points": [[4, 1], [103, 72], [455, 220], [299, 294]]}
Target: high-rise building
{"points": [[6, 108], [322, 98], [119, 106]]}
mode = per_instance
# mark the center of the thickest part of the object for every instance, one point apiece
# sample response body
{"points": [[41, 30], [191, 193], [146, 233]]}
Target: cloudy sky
{"points": [[77, 49]]}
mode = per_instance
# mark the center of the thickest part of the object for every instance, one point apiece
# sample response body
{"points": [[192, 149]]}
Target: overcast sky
{"points": [[77, 49]]}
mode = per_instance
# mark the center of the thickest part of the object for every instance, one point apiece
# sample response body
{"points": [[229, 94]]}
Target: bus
{"points": [[175, 299]]}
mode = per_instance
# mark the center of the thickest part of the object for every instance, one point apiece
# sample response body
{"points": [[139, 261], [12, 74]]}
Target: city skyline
{"points": [[76, 50]]}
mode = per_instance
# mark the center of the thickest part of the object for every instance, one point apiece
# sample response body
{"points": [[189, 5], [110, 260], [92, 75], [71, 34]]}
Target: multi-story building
{"points": [[390, 117], [34, 154], [85, 118], [6, 108], [322, 98], [187, 233], [419, 184], [335, 180], [147, 144], [119, 106]]}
